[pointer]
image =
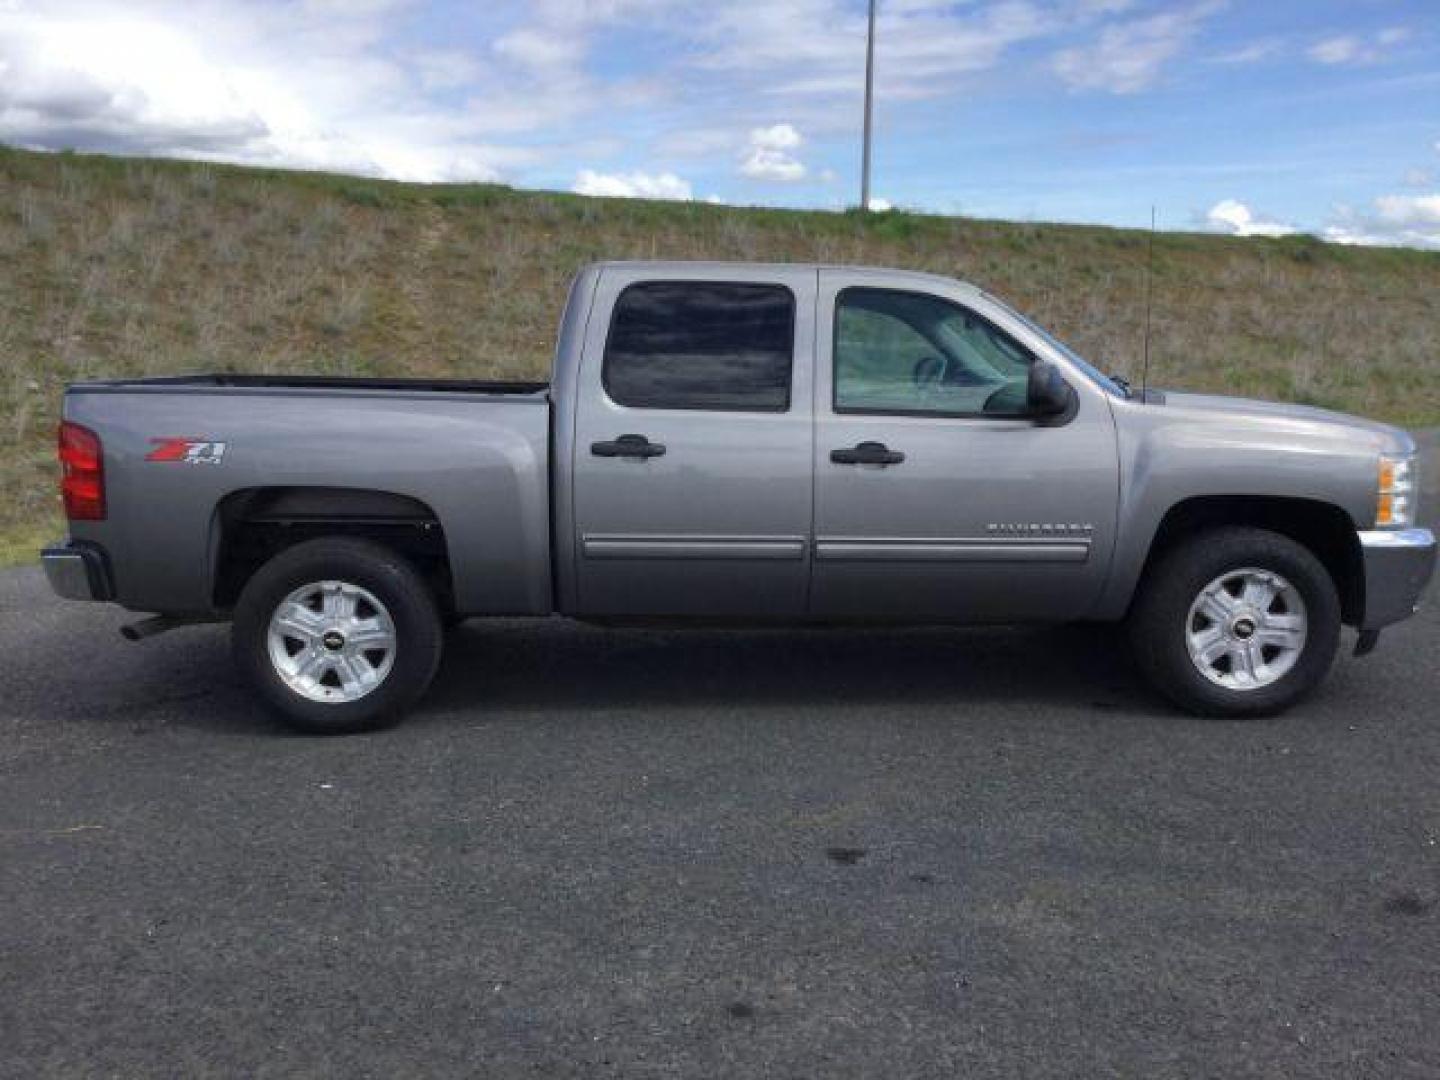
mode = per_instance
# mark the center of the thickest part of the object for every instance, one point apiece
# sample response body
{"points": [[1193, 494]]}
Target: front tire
{"points": [[337, 635], [1236, 622]]}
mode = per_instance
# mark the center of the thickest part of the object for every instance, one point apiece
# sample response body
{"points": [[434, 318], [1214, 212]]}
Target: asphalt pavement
{"points": [[949, 853]]}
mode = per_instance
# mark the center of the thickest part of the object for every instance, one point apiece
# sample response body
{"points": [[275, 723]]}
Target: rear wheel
{"points": [[337, 635], [1236, 622]]}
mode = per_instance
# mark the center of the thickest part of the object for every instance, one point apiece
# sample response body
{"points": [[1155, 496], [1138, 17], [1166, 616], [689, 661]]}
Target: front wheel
{"points": [[337, 635], [1236, 622]]}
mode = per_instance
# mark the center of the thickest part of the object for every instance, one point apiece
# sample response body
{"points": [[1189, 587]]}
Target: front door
{"points": [[935, 496], [692, 452]]}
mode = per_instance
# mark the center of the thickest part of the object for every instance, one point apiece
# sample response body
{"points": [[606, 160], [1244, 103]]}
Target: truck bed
{"points": [[474, 455], [321, 382]]}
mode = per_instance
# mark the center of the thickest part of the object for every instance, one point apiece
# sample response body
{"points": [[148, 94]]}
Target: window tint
{"points": [[701, 345], [908, 352]]}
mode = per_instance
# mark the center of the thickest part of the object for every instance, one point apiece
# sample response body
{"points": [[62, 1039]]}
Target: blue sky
{"points": [[1233, 115]]}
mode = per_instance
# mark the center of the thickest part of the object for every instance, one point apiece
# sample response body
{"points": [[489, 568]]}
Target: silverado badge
{"points": [[1043, 528]]}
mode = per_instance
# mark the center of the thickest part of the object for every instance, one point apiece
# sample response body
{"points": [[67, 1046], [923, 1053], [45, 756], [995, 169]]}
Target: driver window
{"points": [[901, 352]]}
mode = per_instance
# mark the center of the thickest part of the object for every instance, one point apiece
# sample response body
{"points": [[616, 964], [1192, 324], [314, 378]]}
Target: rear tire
{"points": [[337, 635], [1236, 622]]}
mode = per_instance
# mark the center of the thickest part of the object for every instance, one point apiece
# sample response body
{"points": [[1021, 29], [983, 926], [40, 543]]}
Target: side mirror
{"points": [[1047, 394]]}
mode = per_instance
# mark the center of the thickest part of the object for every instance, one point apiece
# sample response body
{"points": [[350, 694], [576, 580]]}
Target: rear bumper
{"points": [[1398, 566], [78, 571]]}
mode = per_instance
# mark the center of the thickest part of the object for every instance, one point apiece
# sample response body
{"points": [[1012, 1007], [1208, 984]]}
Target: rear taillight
{"points": [[82, 469]]}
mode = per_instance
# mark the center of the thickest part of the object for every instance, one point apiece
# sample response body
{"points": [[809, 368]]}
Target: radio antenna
{"points": [[1149, 295]]}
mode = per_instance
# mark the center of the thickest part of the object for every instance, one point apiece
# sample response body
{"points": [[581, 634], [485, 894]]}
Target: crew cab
{"points": [[763, 443]]}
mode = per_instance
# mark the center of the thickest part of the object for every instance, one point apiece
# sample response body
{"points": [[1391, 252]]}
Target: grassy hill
{"points": [[112, 266]]}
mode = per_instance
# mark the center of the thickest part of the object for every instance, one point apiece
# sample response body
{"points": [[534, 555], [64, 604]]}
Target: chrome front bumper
{"points": [[1398, 565], [78, 571]]}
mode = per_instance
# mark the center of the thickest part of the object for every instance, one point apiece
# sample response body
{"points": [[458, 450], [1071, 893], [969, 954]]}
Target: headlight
{"points": [[1396, 506]]}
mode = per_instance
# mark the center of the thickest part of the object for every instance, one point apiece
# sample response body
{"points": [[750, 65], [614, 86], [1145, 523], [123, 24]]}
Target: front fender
{"points": [[1169, 456]]}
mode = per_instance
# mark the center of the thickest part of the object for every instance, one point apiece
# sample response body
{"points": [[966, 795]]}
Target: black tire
{"points": [[1158, 623], [389, 578]]}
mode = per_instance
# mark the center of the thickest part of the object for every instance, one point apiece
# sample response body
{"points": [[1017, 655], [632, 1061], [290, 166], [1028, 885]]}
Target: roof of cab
{"points": [[720, 267]]}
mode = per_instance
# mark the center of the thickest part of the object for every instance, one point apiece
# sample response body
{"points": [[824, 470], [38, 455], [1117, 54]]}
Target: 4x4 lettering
{"points": [[186, 451]]}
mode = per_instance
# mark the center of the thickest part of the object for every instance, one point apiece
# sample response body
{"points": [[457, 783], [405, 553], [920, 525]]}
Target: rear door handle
{"points": [[867, 453], [636, 446]]}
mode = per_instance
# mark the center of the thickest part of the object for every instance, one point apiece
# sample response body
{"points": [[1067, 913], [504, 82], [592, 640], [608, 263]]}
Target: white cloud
{"points": [[1129, 57], [776, 137], [769, 155], [879, 205], [1409, 210], [137, 81], [812, 50], [1252, 53], [633, 185], [445, 69], [1336, 50], [1233, 216], [376, 87], [1392, 220], [543, 50], [1357, 49], [306, 86], [351, 7]]}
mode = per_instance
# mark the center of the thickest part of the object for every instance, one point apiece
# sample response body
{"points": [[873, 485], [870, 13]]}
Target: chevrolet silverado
{"points": [[766, 443]]}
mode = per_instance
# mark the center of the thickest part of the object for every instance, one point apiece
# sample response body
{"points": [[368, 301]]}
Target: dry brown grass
{"points": [[125, 267]]}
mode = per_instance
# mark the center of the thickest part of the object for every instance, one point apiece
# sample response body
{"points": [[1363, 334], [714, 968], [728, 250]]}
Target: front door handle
{"points": [[867, 453], [636, 446]]}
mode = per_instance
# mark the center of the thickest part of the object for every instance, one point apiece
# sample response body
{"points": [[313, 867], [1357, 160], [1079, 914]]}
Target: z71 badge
{"points": [[187, 451]]}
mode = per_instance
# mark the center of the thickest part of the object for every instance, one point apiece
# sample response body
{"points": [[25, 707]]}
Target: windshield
{"points": [[1093, 373]]}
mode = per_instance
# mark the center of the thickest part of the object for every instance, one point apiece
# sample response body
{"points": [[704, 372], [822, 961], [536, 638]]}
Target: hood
{"points": [[1304, 419]]}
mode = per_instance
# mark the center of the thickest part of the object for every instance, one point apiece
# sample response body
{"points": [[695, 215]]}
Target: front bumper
{"points": [[1398, 565], [78, 571]]}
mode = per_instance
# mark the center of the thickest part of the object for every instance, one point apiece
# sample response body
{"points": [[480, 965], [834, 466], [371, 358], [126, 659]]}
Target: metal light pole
{"points": [[869, 105]]}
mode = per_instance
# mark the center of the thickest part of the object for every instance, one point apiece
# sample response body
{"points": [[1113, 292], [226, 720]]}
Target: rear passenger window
{"points": [[701, 345]]}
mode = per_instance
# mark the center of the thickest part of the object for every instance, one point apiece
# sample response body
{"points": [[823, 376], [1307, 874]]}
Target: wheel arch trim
{"points": [[1325, 529]]}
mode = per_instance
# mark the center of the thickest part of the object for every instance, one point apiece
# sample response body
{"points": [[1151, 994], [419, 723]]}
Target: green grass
{"points": [[121, 266], [21, 543]]}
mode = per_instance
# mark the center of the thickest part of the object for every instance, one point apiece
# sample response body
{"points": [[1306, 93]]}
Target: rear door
{"points": [[692, 451]]}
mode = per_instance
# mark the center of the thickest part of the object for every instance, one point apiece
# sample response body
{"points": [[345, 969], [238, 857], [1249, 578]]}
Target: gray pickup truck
{"points": [[741, 443]]}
